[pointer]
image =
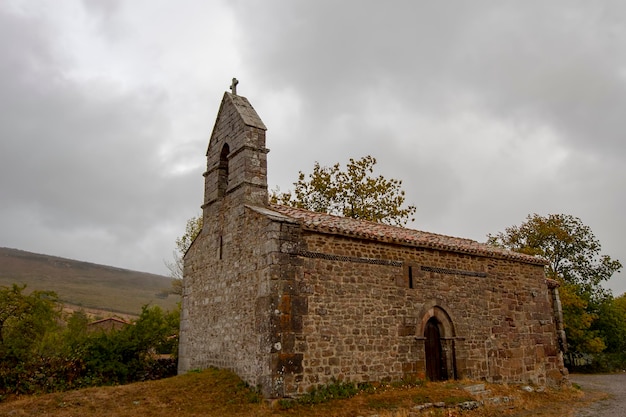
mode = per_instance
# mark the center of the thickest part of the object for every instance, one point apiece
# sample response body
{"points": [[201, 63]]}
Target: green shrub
{"points": [[55, 358], [596, 363], [324, 393]]}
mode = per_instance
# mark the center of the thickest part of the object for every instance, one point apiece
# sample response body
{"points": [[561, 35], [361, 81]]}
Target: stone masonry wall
{"points": [[227, 298], [363, 322], [247, 162], [226, 273]]}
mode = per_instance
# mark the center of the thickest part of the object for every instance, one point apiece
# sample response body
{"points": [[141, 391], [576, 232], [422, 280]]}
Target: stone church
{"points": [[290, 299]]}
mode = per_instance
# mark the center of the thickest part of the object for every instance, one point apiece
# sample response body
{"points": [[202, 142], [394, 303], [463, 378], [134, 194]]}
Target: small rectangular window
{"points": [[411, 277]]}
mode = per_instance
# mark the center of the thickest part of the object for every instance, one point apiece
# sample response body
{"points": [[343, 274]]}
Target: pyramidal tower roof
{"points": [[245, 110]]}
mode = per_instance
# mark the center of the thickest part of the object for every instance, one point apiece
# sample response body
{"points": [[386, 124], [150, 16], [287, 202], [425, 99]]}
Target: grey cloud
{"points": [[557, 64], [487, 111], [372, 76], [79, 155]]}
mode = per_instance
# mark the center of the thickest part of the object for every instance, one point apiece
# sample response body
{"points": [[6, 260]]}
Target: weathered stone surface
{"points": [[289, 304], [469, 405]]}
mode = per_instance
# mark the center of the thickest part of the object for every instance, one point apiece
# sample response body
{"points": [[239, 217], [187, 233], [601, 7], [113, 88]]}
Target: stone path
{"points": [[613, 384]]}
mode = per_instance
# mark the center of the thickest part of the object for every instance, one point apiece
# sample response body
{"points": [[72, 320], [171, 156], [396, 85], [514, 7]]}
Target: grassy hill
{"points": [[85, 284], [219, 393]]}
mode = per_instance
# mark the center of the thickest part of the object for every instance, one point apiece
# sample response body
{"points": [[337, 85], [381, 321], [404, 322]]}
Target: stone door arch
{"points": [[438, 334]]}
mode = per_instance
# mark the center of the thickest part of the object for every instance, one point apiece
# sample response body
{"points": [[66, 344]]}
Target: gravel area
{"points": [[613, 384]]}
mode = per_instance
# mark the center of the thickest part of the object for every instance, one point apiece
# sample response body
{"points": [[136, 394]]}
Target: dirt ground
{"points": [[613, 384]]}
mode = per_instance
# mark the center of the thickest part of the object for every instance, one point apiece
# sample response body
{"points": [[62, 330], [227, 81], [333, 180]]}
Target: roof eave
{"points": [[503, 254]]}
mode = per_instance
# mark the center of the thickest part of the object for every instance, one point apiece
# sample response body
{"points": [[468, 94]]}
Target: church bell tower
{"points": [[237, 156]]}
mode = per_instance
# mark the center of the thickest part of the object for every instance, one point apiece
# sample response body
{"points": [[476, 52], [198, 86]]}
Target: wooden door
{"points": [[435, 365]]}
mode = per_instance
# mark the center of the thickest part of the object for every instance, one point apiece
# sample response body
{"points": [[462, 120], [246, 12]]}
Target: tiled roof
{"points": [[109, 319], [326, 223]]}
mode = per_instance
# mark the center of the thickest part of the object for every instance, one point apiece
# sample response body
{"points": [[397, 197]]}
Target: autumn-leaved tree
{"points": [[574, 259], [354, 192]]}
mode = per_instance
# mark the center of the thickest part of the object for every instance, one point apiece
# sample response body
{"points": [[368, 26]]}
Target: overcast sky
{"points": [[487, 111]]}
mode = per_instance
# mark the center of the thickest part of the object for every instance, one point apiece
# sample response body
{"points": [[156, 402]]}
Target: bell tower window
{"points": [[222, 176]]}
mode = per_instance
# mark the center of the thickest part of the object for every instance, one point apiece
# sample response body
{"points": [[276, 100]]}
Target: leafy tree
{"points": [[130, 354], [192, 229], [569, 246], [24, 320], [353, 192], [579, 318], [69, 342], [611, 323], [39, 354], [156, 330], [574, 259], [77, 324]]}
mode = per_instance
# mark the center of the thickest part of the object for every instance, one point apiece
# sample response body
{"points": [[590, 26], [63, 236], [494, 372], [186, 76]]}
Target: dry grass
{"points": [[221, 394]]}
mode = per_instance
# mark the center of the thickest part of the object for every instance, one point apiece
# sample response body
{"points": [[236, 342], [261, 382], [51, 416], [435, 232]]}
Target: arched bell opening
{"points": [[222, 176]]}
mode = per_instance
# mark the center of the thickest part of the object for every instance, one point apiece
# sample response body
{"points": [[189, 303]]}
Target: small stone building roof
{"points": [[326, 223], [110, 323]]}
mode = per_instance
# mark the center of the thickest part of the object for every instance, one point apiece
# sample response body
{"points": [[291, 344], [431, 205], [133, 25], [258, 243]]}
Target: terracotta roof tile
{"points": [[326, 223]]}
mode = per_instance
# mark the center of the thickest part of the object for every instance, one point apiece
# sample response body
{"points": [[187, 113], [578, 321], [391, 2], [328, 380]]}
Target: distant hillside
{"points": [[86, 284]]}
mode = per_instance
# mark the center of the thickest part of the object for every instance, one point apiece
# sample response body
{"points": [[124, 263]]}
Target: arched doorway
{"points": [[439, 337], [435, 365]]}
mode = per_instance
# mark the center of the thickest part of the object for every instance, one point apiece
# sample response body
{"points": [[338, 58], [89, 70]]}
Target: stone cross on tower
{"points": [[233, 86]]}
